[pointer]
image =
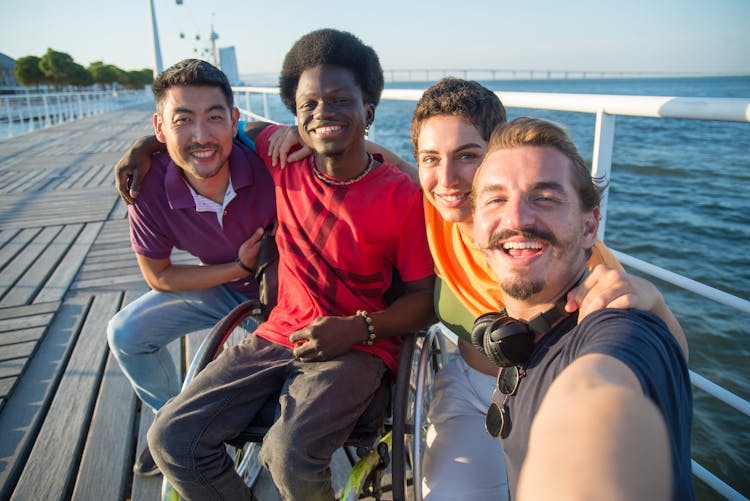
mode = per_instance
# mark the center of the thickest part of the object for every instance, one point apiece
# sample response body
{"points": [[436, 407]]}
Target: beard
{"points": [[521, 288]]}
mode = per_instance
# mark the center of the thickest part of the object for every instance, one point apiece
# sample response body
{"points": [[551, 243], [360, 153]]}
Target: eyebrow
{"points": [[549, 185], [540, 186], [185, 109], [463, 147]]}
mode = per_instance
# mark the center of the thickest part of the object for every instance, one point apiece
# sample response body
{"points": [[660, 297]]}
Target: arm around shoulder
{"points": [[133, 166], [597, 436]]}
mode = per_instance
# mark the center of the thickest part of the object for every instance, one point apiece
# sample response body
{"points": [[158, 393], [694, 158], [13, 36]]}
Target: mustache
{"points": [[529, 233]]}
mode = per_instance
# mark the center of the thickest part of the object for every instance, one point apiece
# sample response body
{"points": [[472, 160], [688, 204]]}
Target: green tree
{"points": [[58, 67], [137, 79], [27, 71], [104, 74], [80, 76]]}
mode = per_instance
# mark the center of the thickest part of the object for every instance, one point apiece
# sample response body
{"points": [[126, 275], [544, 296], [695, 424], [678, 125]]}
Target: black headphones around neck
{"points": [[507, 341]]}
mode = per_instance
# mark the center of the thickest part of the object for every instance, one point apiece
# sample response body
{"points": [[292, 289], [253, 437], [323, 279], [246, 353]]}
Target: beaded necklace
{"points": [[345, 182]]}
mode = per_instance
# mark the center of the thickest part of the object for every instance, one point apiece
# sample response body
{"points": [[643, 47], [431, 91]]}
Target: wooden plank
{"points": [[23, 413], [16, 245], [34, 278], [6, 235], [106, 465], [145, 488], [21, 335], [149, 488], [28, 310], [20, 322], [24, 260], [107, 458], [11, 368], [17, 350], [60, 280], [52, 464]]}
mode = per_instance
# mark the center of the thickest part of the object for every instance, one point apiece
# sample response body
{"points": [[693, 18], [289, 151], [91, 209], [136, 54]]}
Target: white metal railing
{"points": [[606, 108], [21, 113]]}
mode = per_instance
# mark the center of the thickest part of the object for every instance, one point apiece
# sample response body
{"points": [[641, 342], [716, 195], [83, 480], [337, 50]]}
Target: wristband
{"points": [[242, 265], [370, 327]]}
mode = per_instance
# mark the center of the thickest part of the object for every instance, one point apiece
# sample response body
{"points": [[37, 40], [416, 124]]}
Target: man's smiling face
{"points": [[529, 221], [198, 127]]}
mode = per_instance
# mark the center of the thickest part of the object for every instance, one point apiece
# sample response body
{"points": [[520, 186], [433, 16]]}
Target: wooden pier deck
{"points": [[69, 422]]}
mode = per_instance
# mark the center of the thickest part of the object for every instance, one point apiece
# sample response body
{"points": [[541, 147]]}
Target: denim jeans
{"points": [[320, 403], [139, 334]]}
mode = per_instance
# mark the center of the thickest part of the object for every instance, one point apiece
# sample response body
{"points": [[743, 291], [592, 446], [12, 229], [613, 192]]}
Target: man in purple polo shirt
{"points": [[207, 195]]}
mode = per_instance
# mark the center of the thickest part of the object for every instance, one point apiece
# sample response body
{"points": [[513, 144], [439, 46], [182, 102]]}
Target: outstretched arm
{"points": [[606, 287], [597, 436]]}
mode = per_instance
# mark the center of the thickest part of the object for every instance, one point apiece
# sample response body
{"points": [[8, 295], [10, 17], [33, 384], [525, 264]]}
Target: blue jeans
{"points": [[139, 334], [319, 405]]}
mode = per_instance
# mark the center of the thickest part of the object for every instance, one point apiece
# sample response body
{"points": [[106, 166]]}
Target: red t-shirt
{"points": [[338, 246]]}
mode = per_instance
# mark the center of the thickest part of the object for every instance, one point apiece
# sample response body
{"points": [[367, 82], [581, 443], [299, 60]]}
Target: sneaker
{"points": [[145, 464]]}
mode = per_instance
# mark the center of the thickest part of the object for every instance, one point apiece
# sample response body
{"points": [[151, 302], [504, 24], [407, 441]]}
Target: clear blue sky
{"points": [[629, 35]]}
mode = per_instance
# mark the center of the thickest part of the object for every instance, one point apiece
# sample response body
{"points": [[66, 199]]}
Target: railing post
{"points": [[10, 116], [30, 112], [247, 103], [47, 119], [601, 161], [265, 105]]}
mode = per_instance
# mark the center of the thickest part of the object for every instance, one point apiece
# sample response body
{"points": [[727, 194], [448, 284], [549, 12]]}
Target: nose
{"points": [[448, 172], [517, 213], [324, 109], [201, 132]]}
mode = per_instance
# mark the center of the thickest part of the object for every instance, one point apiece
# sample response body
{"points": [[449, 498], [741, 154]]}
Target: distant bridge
{"points": [[405, 75]]}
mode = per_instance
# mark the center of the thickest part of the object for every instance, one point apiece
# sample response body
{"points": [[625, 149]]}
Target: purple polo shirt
{"points": [[164, 217]]}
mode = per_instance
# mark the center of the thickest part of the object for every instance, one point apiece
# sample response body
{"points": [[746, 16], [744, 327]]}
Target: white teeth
{"points": [[453, 198], [325, 130], [522, 245], [202, 154]]}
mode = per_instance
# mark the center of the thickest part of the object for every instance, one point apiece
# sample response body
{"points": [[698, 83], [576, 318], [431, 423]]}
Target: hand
{"points": [[133, 166], [282, 141], [606, 287], [248, 251], [327, 337]]}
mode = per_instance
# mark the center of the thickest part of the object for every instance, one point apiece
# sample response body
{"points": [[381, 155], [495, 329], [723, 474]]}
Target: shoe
{"points": [[145, 465]]}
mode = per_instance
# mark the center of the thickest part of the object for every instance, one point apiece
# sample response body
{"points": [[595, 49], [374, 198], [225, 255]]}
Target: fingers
{"points": [[122, 177], [135, 184], [305, 348], [274, 145], [281, 142], [248, 251], [301, 153], [610, 288]]}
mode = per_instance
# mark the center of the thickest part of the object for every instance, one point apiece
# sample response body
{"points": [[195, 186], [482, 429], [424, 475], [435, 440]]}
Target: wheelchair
{"points": [[397, 447]]}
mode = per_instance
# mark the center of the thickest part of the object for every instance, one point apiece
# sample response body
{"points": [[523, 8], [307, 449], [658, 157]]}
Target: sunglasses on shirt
{"points": [[497, 423]]}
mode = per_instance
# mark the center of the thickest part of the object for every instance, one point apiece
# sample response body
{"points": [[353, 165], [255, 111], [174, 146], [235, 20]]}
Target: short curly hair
{"points": [[337, 48], [462, 98], [188, 73]]}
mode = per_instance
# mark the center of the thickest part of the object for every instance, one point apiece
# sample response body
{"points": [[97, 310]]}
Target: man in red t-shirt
{"points": [[347, 221]]}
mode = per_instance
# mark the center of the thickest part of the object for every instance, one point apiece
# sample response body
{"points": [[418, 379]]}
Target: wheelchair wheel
{"points": [[422, 356], [224, 334]]}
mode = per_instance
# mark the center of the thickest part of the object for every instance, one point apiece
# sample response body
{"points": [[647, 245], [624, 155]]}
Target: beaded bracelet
{"points": [[242, 265], [370, 327]]}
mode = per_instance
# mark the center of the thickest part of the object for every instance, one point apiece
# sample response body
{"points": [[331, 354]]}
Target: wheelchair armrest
{"points": [[267, 267]]}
